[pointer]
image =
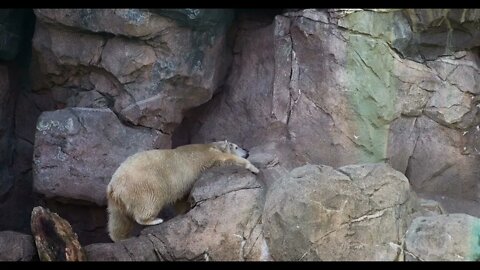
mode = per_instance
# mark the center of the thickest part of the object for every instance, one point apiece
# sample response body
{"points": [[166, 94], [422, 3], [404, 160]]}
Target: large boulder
{"points": [[358, 212], [77, 151], [448, 237], [15, 246], [224, 224]]}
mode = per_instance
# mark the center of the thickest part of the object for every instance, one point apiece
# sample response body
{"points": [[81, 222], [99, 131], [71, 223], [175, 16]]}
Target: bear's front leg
{"points": [[239, 161], [252, 168]]}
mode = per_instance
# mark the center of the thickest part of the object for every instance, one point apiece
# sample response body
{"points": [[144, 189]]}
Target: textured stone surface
{"points": [[440, 163], [249, 86], [149, 68], [441, 31], [452, 237], [361, 210], [224, 224], [337, 90], [78, 149], [15, 246]]}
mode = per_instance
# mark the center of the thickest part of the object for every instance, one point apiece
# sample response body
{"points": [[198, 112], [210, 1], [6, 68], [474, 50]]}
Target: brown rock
{"points": [[54, 237], [78, 149], [15, 246]]}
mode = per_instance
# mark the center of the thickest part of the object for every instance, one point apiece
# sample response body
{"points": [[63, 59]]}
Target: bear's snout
{"points": [[246, 154]]}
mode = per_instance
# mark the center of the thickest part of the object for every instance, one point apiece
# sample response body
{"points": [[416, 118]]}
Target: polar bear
{"points": [[147, 181]]}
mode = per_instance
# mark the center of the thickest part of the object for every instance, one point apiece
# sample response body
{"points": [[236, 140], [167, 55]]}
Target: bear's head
{"points": [[230, 148]]}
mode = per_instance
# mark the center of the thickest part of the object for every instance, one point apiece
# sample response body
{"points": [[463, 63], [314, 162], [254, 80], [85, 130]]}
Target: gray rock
{"points": [[448, 104], [15, 246], [271, 159], [78, 149], [430, 207], [452, 237], [361, 210], [441, 31], [199, 18], [453, 205]]}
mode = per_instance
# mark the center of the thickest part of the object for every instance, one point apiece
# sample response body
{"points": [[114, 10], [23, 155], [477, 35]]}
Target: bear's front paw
{"points": [[253, 169]]}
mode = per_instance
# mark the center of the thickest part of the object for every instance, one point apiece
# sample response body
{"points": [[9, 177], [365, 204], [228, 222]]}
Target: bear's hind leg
{"points": [[147, 215], [149, 222]]}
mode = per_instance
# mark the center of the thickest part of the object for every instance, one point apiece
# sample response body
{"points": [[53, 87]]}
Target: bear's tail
{"points": [[119, 225]]}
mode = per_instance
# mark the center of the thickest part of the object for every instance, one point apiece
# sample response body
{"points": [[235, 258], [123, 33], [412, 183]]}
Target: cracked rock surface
{"points": [[357, 212], [145, 67], [349, 86]]}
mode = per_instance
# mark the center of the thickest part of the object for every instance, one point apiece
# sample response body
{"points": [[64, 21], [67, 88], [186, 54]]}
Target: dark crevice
{"points": [[408, 169], [244, 20], [15, 56]]}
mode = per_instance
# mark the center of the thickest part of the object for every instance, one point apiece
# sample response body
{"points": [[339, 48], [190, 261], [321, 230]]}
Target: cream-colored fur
{"points": [[147, 181]]}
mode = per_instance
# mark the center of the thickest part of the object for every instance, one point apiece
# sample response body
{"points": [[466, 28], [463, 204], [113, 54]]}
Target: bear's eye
{"points": [[236, 147]]}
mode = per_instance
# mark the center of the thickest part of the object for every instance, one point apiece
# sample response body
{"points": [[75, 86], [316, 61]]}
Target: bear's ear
{"points": [[221, 145]]}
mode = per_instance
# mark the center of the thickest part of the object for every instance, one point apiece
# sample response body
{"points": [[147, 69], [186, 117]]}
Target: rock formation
{"points": [[363, 122]]}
